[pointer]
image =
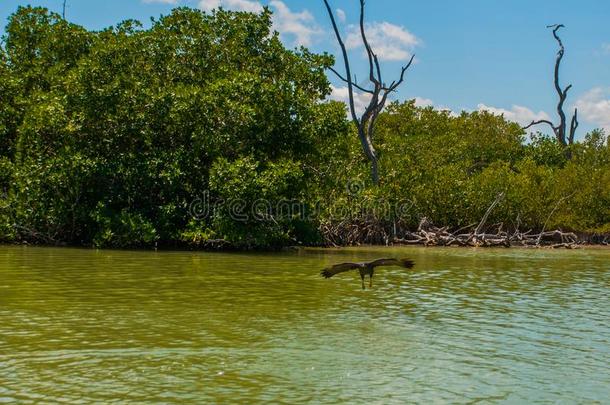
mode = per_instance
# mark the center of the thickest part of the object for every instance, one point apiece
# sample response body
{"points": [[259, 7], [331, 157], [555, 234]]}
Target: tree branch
{"points": [[497, 201], [353, 83], [402, 74], [373, 61], [561, 128], [379, 94], [557, 204], [573, 126], [540, 122], [348, 72]]}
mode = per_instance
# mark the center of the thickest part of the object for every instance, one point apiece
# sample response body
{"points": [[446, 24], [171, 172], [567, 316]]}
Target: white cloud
{"points": [[423, 102], [361, 100], [426, 102], [522, 115], [594, 106], [209, 5], [341, 15], [300, 27], [606, 48], [238, 5], [244, 5], [390, 42]]}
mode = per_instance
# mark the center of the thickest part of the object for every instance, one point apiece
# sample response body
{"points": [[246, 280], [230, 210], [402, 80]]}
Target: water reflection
{"points": [[465, 325]]}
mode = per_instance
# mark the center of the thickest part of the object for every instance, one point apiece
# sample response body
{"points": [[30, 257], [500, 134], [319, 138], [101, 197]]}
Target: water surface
{"points": [[503, 326]]}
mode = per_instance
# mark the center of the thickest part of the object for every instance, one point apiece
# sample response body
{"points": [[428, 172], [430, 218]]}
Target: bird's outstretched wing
{"points": [[338, 268], [406, 263]]}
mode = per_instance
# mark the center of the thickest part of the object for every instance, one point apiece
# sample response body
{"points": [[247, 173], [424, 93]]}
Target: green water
{"points": [[505, 326]]}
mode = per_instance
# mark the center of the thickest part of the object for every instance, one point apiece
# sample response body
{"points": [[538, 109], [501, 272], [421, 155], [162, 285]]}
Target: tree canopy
{"points": [[117, 137], [116, 131]]}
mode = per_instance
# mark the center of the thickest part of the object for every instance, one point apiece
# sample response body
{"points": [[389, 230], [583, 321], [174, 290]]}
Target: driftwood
{"points": [[429, 235], [367, 231], [371, 231], [37, 236]]}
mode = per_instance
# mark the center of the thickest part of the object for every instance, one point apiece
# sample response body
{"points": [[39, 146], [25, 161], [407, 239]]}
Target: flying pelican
{"points": [[366, 268]]}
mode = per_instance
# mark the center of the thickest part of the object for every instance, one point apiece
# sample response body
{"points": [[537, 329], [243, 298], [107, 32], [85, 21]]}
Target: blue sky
{"points": [[471, 54]]}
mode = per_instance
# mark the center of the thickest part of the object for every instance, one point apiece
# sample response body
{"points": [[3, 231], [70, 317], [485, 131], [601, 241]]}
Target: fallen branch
{"points": [[561, 200], [37, 236]]}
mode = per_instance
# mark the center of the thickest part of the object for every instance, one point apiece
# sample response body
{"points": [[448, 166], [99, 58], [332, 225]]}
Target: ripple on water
{"points": [[463, 326]]}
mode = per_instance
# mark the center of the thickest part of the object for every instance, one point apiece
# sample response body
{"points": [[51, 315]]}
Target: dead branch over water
{"points": [[376, 232], [370, 232], [429, 235]]}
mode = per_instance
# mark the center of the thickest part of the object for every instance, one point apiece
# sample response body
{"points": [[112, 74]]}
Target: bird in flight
{"points": [[365, 268]]}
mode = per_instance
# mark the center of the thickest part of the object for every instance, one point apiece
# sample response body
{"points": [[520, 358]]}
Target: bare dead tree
{"points": [[560, 130], [379, 93], [63, 12]]}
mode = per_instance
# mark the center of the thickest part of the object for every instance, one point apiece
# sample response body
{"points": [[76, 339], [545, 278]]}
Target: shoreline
{"points": [[296, 248]]}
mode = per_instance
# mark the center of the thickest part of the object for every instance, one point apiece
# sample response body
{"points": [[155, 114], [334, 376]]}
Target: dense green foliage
{"points": [[112, 138], [116, 132], [450, 169]]}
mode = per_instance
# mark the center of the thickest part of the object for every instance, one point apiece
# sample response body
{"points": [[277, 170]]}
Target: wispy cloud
{"points": [[238, 5], [161, 1], [594, 106], [390, 42], [361, 100], [300, 28], [423, 102], [341, 15], [519, 114], [426, 102]]}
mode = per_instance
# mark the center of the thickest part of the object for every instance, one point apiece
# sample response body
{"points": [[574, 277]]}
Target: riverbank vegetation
{"points": [[192, 132]]}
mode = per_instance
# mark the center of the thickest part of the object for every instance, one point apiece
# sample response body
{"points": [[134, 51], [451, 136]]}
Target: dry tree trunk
{"points": [[379, 94], [560, 130]]}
